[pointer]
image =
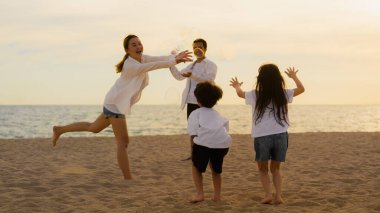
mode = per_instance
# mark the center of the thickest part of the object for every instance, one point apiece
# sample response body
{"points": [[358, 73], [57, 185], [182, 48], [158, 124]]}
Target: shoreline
{"points": [[169, 135], [323, 171]]}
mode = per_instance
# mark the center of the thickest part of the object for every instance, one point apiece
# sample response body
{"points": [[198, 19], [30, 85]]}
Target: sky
{"points": [[64, 52]]}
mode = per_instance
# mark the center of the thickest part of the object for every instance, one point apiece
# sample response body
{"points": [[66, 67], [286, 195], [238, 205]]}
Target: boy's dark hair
{"points": [[201, 40], [208, 94]]}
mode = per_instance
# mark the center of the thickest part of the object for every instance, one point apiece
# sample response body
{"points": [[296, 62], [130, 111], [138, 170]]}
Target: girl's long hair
{"points": [[270, 94], [119, 66]]}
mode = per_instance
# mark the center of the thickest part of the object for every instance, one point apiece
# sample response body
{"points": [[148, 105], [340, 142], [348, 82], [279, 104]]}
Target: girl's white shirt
{"points": [[209, 127], [133, 79], [268, 124]]}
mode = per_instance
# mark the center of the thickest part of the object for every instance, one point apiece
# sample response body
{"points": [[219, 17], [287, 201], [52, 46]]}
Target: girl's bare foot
{"points": [[196, 199], [216, 198], [128, 177], [55, 136], [279, 200], [267, 200]]}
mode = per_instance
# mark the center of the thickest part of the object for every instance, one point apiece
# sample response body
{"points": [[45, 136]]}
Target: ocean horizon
{"points": [[36, 121]]}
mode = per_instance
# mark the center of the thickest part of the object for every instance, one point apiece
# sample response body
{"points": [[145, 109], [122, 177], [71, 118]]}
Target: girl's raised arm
{"points": [[291, 72], [237, 85]]}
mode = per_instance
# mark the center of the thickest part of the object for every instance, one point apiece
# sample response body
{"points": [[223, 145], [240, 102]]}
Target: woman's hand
{"points": [[183, 56]]}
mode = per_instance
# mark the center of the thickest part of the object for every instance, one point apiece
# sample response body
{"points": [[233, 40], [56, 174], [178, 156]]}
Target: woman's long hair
{"points": [[119, 66], [270, 94]]}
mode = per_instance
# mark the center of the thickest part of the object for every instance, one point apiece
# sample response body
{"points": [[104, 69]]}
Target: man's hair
{"points": [[208, 94], [201, 40]]}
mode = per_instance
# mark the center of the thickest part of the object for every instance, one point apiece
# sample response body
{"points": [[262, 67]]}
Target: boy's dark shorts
{"points": [[271, 147], [109, 114], [201, 155]]}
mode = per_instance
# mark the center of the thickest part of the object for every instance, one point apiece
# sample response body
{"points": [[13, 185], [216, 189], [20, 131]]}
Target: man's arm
{"points": [[209, 75]]}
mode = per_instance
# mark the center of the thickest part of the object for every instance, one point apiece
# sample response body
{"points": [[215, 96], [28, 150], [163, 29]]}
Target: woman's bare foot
{"points": [[196, 199], [267, 200], [55, 136]]}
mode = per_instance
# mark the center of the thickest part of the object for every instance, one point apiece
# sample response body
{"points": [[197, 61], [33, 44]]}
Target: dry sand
{"points": [[324, 172]]}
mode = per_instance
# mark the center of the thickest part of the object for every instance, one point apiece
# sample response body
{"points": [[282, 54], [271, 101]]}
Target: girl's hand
{"points": [[183, 56], [235, 83], [291, 72]]}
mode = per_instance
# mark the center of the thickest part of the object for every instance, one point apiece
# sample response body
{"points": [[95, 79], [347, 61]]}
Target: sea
{"points": [[23, 121]]}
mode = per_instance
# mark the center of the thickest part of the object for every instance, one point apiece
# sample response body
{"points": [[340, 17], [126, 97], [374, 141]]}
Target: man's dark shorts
{"points": [[191, 108]]}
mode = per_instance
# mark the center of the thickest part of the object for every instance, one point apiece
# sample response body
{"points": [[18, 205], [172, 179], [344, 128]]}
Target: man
{"points": [[200, 70]]}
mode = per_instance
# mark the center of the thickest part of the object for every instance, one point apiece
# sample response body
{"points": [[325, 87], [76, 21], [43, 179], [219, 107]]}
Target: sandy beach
{"points": [[324, 172]]}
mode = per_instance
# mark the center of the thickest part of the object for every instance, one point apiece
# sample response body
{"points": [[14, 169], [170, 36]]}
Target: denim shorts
{"points": [[109, 114], [271, 147]]}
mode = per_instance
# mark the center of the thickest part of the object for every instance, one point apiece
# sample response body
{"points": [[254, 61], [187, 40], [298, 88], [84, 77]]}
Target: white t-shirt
{"points": [[210, 128], [202, 71], [191, 99], [133, 79], [268, 124]]}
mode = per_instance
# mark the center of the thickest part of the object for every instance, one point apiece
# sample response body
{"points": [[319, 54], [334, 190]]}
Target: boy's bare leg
{"points": [[277, 180], [265, 181], [217, 181], [198, 181]]}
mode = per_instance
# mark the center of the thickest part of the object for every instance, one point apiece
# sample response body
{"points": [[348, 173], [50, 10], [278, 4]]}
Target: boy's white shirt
{"points": [[209, 127], [203, 71], [268, 124], [133, 79]]}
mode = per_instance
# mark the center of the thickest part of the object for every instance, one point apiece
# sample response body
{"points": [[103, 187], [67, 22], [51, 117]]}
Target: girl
{"points": [[125, 92], [270, 122]]}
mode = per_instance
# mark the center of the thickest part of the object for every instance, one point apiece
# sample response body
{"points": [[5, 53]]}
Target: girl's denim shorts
{"points": [[271, 147]]}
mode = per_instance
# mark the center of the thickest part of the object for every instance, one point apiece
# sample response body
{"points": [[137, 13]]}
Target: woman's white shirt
{"points": [[133, 79]]}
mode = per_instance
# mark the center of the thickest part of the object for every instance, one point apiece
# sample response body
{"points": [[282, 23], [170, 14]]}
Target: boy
{"points": [[209, 132]]}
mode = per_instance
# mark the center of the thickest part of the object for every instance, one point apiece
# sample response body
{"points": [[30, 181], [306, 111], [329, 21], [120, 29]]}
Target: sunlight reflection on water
{"points": [[37, 121]]}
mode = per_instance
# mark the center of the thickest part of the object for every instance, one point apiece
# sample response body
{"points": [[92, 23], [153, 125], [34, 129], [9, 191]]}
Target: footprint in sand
{"points": [[304, 203], [73, 169]]}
